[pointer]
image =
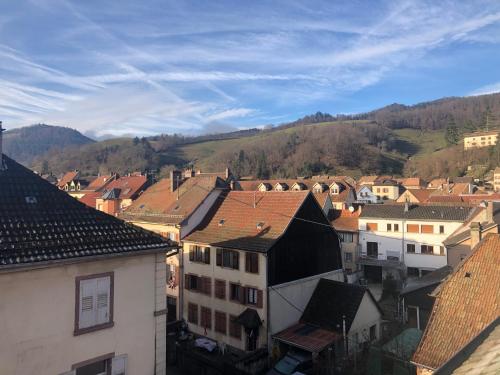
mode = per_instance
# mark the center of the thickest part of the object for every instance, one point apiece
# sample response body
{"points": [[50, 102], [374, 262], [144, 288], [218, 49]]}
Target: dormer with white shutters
{"points": [[336, 188], [319, 187]]}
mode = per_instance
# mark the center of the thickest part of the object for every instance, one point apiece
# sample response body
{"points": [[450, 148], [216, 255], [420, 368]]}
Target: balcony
{"points": [[392, 259]]}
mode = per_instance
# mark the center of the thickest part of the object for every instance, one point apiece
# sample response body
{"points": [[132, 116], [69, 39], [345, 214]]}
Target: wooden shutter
{"points": [[87, 316], [236, 260], [103, 299], [119, 365], [219, 257], [206, 285], [260, 296], [206, 255], [243, 295], [220, 289], [371, 226], [427, 228], [191, 253], [248, 260], [412, 228], [187, 285]]}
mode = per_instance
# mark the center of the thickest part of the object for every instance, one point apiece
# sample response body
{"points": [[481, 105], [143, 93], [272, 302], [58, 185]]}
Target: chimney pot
{"points": [[489, 212]]}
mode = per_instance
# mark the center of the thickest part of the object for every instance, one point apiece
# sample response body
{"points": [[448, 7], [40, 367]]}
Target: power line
{"points": [[287, 301]]}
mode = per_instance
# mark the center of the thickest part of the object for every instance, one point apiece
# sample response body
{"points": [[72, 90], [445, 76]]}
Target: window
{"points": [[412, 228], [372, 249], [371, 227], [396, 227], [386, 190], [95, 368], [252, 296], [389, 227], [427, 249], [373, 332], [441, 250], [410, 248], [346, 236], [427, 229], [94, 302], [234, 328], [348, 257], [198, 284], [192, 313], [228, 258], [205, 317], [441, 229], [252, 262], [199, 254], [220, 289], [220, 322], [236, 293]]}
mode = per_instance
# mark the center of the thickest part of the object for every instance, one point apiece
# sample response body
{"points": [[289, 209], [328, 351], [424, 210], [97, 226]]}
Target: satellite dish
{"points": [[351, 209]]}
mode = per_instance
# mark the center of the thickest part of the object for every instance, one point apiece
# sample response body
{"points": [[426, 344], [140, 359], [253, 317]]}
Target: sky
{"points": [[147, 67]]}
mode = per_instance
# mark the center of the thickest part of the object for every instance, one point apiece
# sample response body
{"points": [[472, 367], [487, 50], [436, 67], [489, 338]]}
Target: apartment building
{"points": [[81, 290], [480, 139], [406, 238], [252, 244]]}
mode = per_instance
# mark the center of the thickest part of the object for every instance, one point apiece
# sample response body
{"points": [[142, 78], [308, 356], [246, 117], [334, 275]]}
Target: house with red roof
{"points": [[250, 244]]}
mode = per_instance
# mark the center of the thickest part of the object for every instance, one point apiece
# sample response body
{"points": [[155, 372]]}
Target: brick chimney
{"points": [[175, 179], [475, 234]]}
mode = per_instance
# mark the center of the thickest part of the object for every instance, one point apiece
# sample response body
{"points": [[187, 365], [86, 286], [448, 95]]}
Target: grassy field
{"points": [[415, 143]]}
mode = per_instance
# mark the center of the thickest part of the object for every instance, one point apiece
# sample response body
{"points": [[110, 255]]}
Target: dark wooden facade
{"points": [[306, 248]]}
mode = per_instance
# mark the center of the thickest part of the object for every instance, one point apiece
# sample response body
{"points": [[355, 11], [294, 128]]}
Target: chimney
{"points": [[175, 178], [1, 148], [475, 234], [228, 173], [231, 185], [490, 212], [407, 205]]}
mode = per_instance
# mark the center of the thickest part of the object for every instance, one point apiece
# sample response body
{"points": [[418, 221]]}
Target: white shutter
{"points": [[103, 299], [119, 365], [88, 305]]}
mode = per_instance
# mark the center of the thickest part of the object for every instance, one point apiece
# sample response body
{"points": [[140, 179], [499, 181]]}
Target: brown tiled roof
{"points": [[467, 302], [321, 198], [307, 337], [100, 182], [367, 179], [346, 221], [90, 198], [130, 186], [40, 223], [305, 182], [67, 178], [342, 196], [160, 205], [235, 223], [437, 182], [444, 199], [411, 181], [422, 195]]}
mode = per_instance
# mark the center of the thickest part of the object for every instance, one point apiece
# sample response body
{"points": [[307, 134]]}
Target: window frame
{"points": [[251, 262], [199, 254], [414, 226], [217, 327], [396, 227], [191, 307], [441, 229], [80, 331], [407, 248], [221, 258], [105, 357], [427, 246], [254, 292], [389, 227], [234, 328]]}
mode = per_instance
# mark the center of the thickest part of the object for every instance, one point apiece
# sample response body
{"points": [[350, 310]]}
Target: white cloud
{"points": [[488, 89]]}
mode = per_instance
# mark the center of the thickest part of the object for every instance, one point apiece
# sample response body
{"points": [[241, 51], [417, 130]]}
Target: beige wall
{"points": [[367, 316], [480, 141], [234, 276], [386, 191], [37, 313]]}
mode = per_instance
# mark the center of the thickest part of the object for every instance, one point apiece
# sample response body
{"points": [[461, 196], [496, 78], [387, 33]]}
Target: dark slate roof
{"points": [[249, 319], [432, 278], [417, 212], [112, 194], [40, 223], [330, 301]]}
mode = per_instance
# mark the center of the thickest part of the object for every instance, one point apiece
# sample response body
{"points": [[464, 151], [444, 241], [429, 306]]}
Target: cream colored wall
{"points": [[392, 191], [37, 313], [281, 297], [367, 316], [477, 142], [235, 276]]}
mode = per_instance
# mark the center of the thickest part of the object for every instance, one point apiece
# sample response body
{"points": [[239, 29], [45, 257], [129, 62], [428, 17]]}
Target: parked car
{"points": [[292, 363]]}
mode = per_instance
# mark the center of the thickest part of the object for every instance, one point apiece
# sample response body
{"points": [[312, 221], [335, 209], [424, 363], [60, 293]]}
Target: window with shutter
{"points": [[235, 292], [251, 296], [94, 303], [234, 328], [192, 313], [220, 322], [220, 289], [218, 260], [252, 262], [205, 317]]}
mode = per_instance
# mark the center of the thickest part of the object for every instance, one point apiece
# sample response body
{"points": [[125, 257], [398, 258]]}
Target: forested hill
{"points": [[465, 112], [25, 144], [396, 139]]}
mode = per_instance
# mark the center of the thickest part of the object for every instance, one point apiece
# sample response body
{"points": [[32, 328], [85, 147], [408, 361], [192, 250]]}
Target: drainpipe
{"points": [[345, 337]]}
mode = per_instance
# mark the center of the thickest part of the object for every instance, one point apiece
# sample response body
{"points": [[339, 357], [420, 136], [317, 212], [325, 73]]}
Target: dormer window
{"points": [[260, 225], [221, 222]]}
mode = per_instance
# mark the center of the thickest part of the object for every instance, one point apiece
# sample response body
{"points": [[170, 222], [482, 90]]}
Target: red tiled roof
{"points": [[467, 302], [236, 224], [345, 220], [68, 177], [99, 182], [321, 198], [90, 198], [307, 337], [129, 186], [159, 204], [422, 195]]}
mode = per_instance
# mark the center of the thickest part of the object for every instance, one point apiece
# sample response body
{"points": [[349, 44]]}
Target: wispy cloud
{"points": [[168, 66], [488, 89]]}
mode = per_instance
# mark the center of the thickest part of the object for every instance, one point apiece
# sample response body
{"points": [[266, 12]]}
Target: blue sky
{"points": [[148, 67]]}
